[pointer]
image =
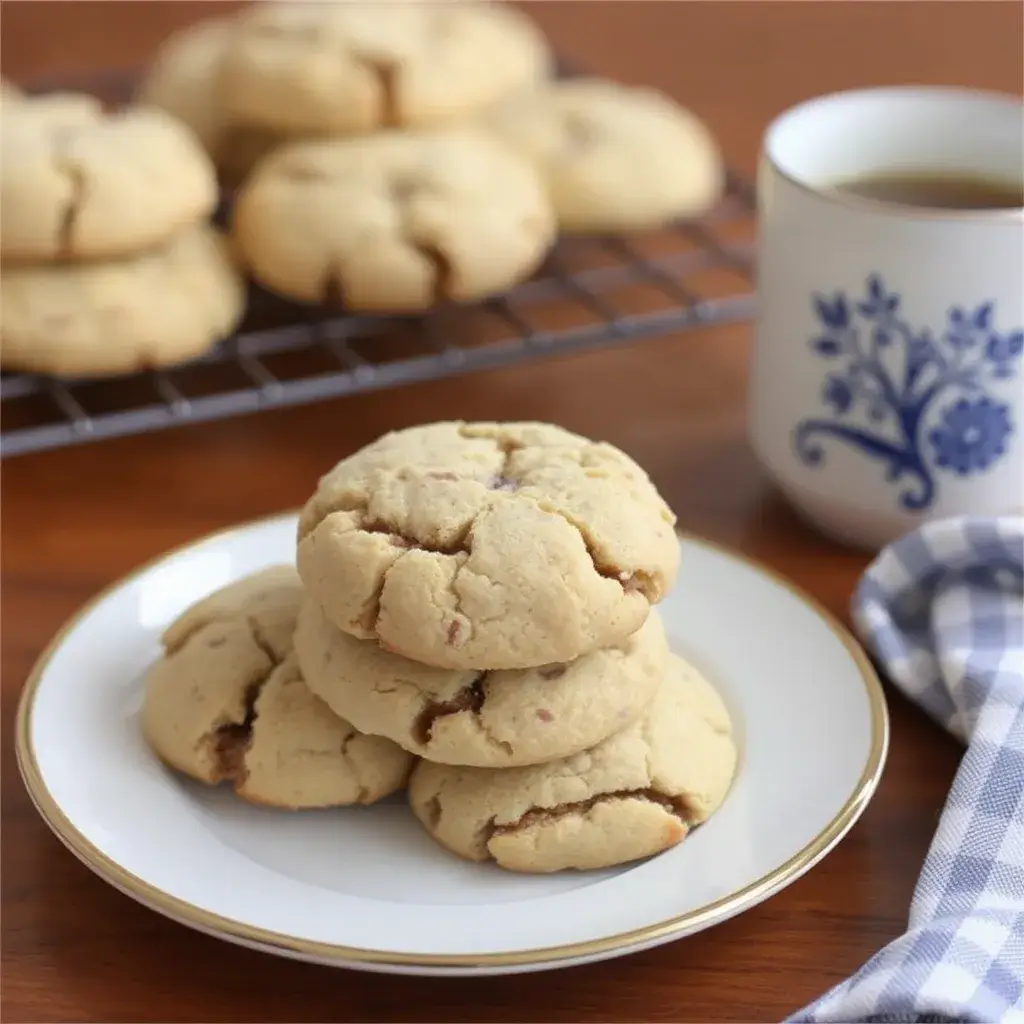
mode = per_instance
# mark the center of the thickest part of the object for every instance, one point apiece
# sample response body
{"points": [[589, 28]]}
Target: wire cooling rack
{"points": [[591, 293]]}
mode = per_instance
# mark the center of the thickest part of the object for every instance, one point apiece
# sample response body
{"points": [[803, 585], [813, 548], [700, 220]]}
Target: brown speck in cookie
{"points": [[402, 188], [580, 132], [432, 812], [544, 715], [502, 483], [454, 631]]}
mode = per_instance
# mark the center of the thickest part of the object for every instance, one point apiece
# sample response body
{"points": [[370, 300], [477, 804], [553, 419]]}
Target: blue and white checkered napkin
{"points": [[942, 610]]}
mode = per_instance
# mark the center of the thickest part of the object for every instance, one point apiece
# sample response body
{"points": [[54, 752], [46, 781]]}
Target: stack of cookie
{"points": [[392, 156], [481, 595], [475, 607], [391, 203], [109, 264], [389, 157]]}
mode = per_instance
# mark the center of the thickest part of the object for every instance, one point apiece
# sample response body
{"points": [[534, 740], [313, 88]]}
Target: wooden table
{"points": [[74, 520]]}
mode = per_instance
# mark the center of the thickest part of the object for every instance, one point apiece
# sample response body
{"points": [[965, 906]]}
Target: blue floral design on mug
{"points": [[917, 401]]}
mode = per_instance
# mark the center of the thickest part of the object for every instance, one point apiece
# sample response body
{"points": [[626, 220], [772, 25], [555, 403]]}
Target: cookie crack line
{"points": [[362, 796], [455, 630], [403, 189], [386, 72], [631, 582], [332, 295], [499, 481], [260, 640], [443, 270], [458, 545], [677, 806], [233, 741], [75, 177], [372, 612], [503, 479], [470, 698]]}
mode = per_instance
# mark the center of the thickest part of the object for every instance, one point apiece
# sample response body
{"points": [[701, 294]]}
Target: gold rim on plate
{"points": [[236, 931]]}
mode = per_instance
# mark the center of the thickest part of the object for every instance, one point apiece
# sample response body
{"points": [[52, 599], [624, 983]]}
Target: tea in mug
{"points": [[937, 191]]}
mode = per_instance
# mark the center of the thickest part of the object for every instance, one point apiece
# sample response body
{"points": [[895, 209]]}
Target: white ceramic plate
{"points": [[365, 887]]}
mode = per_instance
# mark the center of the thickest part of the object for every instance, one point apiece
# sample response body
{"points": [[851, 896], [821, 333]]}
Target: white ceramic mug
{"points": [[887, 374]]}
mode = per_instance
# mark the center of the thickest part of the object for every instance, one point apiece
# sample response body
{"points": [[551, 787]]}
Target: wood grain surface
{"points": [[75, 520]]}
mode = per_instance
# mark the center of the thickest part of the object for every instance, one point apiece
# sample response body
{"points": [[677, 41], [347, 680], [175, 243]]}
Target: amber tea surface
{"points": [[937, 191]]}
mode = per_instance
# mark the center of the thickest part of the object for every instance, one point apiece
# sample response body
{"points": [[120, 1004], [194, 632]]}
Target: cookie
{"points": [[489, 719], [393, 222], [52, 110], [487, 545], [120, 316], [227, 703], [614, 158], [635, 795], [270, 598], [184, 81], [346, 68], [78, 183]]}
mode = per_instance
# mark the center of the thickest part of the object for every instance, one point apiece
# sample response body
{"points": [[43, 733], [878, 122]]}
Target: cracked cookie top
{"points": [[488, 545], [633, 795], [78, 183], [493, 719], [394, 221], [227, 703], [614, 157], [344, 68]]}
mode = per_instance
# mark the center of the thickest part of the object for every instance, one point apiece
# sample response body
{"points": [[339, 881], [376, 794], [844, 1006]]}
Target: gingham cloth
{"points": [[942, 610]]}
